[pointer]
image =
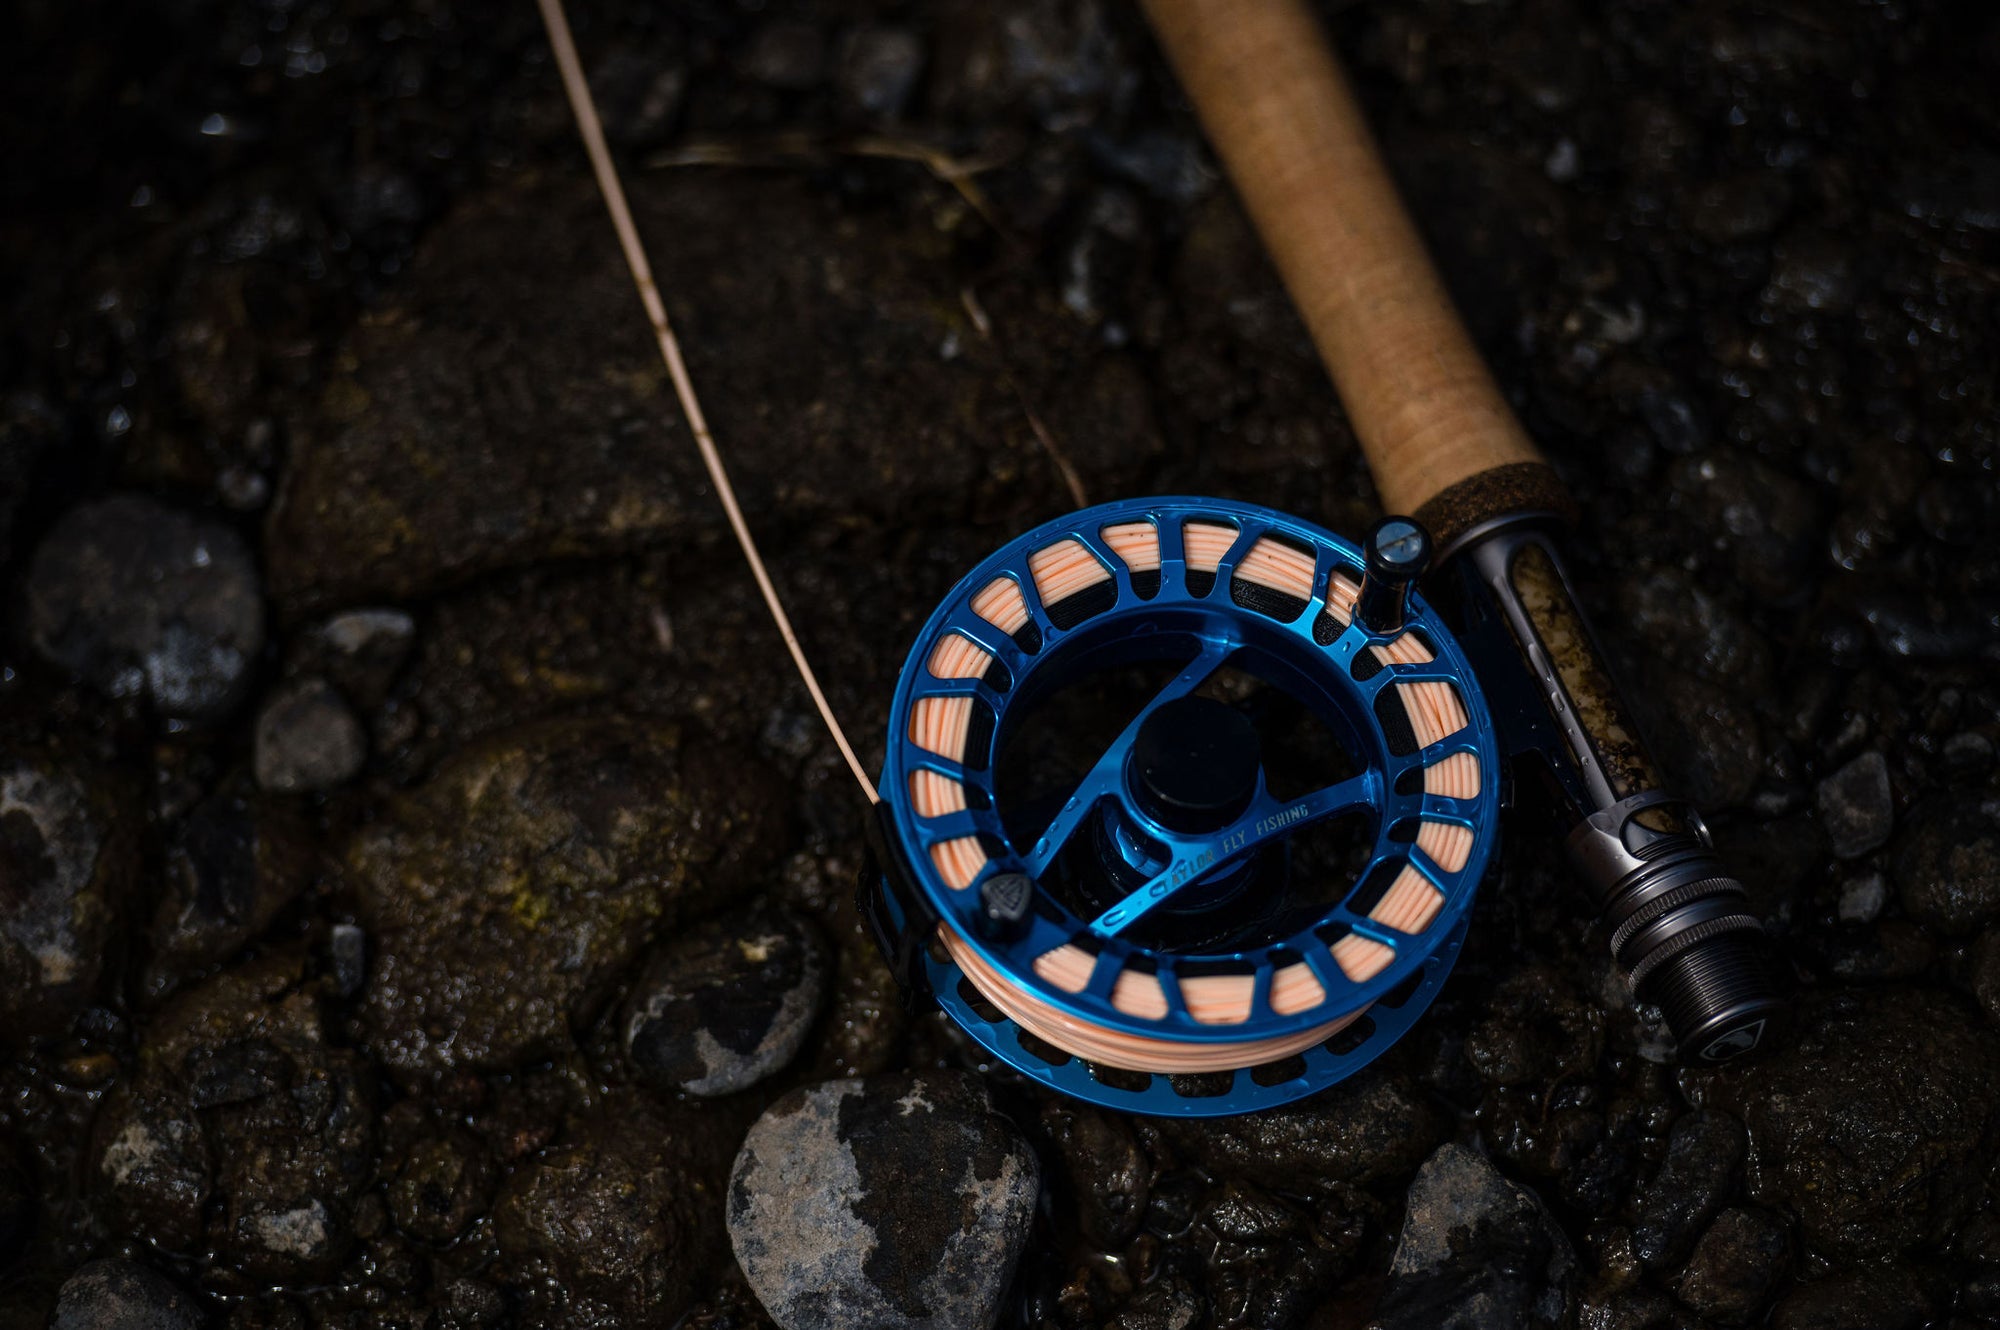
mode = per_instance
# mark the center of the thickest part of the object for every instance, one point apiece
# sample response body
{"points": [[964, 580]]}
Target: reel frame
{"points": [[1319, 655]]}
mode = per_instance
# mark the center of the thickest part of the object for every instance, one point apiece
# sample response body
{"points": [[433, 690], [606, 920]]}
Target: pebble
{"points": [[1875, 1296], [1871, 1124], [347, 945], [1862, 898], [308, 739], [145, 600], [879, 69], [1269, 1262], [506, 894], [724, 1006], [123, 1295], [1704, 1156], [1107, 1175], [68, 864], [1477, 1252], [621, 1215], [441, 1186], [1894, 949], [1947, 862], [232, 867], [1968, 753], [243, 1128], [1766, 520], [1983, 973], [1855, 806], [1372, 1127], [1741, 207], [17, 1201], [786, 53], [1813, 271], [1736, 1267], [892, 1201], [361, 652]]}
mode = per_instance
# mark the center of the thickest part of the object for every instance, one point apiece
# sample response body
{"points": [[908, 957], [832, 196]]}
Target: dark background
{"points": [[334, 277]]}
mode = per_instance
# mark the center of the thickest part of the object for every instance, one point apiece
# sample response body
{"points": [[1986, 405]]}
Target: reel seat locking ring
{"points": [[1080, 1001]]}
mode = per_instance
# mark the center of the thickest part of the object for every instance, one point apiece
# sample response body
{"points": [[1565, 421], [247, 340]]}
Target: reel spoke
{"points": [[1107, 775], [1266, 820]]}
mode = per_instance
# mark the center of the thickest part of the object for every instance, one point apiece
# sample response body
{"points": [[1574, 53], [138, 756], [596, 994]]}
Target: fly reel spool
{"points": [[1166, 935]]}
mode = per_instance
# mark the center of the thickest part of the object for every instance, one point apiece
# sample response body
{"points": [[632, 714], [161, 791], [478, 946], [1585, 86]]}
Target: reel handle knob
{"points": [[1005, 902], [1397, 551]]}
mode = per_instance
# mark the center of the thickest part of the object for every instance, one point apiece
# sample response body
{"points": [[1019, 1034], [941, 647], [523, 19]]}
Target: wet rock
{"points": [[1707, 736], [1983, 973], [233, 866], [1740, 208], [1165, 1304], [1947, 863], [879, 69], [1737, 1265], [1704, 1156], [890, 1201], [786, 53], [361, 652], [624, 1214], [1535, 1029], [144, 600], [1862, 898], [1587, 1161], [431, 459], [347, 948], [241, 1127], [1476, 1251], [470, 1304], [1813, 270], [1636, 1309], [1968, 754], [124, 1295], [1051, 61], [1866, 1125], [722, 1007], [1375, 1125], [1108, 1175], [1268, 1263], [1855, 806], [1874, 1296], [68, 862], [506, 894], [17, 1201], [1768, 522], [441, 1185], [308, 739], [1894, 949], [1676, 621]]}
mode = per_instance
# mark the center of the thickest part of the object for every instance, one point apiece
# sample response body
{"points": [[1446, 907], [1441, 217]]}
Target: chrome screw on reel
{"points": [[1152, 942]]}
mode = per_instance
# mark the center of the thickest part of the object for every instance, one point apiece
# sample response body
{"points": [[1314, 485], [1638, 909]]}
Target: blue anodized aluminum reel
{"points": [[1009, 649]]}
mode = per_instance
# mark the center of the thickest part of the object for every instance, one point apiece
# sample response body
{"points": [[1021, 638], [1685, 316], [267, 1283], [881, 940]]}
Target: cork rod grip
{"points": [[1436, 431]]}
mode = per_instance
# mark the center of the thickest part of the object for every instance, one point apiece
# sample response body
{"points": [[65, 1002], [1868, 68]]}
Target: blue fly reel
{"points": [[1185, 805]]}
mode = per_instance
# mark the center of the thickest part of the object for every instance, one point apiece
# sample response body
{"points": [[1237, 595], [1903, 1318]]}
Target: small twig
{"points": [[958, 172]]}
